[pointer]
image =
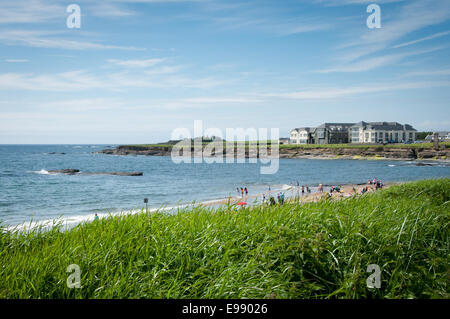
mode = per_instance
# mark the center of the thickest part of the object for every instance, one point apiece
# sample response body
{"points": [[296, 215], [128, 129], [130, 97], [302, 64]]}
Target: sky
{"points": [[136, 70]]}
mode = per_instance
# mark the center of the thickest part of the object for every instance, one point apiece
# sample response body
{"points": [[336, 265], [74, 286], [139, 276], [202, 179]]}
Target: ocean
{"points": [[28, 192]]}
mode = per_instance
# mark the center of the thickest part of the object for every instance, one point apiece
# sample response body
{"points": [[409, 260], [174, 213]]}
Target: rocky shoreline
{"points": [[368, 153]]}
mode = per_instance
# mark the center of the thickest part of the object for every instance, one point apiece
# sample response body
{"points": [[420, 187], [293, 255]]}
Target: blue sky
{"points": [[138, 69]]}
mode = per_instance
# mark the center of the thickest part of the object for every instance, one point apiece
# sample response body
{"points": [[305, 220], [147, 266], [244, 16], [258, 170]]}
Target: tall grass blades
{"points": [[314, 250]]}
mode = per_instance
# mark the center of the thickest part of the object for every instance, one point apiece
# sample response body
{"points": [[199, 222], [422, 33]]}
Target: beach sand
{"points": [[293, 194]]}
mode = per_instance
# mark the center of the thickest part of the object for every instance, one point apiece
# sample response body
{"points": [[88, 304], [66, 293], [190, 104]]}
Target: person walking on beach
{"points": [[308, 190], [282, 198], [320, 189], [246, 191], [272, 201], [303, 190], [238, 191], [242, 192]]}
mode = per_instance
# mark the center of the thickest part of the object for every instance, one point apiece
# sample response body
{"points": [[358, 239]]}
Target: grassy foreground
{"points": [[318, 250]]}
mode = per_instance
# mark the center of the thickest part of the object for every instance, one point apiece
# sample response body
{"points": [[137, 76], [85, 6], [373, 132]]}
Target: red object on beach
{"points": [[241, 203]]}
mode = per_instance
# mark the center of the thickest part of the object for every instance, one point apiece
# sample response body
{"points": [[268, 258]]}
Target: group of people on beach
{"points": [[271, 199], [241, 191], [304, 188], [336, 189], [376, 183]]}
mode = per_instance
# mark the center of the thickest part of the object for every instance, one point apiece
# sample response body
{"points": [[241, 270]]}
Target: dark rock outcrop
{"points": [[68, 171], [369, 152], [116, 173], [71, 171]]}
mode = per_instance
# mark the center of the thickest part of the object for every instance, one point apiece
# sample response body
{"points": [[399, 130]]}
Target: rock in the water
{"points": [[69, 171], [127, 174], [117, 173]]}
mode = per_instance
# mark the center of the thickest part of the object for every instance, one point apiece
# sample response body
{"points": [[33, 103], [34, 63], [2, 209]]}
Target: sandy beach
{"points": [[293, 193]]}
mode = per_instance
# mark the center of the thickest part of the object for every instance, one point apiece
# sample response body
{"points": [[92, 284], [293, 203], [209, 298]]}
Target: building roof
{"points": [[385, 126], [307, 129], [337, 126]]}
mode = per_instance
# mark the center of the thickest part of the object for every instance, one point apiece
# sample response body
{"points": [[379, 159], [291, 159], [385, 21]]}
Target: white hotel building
{"points": [[382, 132]]}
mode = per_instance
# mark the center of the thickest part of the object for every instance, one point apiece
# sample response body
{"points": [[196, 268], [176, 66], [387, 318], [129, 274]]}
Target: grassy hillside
{"points": [[318, 250]]}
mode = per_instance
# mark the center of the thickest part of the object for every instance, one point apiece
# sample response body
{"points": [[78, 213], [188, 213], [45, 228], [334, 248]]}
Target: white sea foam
{"points": [[41, 172], [68, 222]]}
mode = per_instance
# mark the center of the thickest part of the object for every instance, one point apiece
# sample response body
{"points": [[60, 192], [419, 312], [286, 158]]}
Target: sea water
{"points": [[29, 192]]}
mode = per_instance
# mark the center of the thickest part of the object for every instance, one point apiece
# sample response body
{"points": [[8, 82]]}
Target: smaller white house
{"points": [[302, 135], [443, 137]]}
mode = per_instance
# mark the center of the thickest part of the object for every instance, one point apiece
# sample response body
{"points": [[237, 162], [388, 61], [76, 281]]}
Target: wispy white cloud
{"points": [[326, 93], [137, 63], [17, 60], [335, 3], [444, 72], [82, 80], [108, 9], [376, 62], [268, 24], [44, 11], [412, 17], [365, 48], [30, 11], [434, 36], [48, 39]]}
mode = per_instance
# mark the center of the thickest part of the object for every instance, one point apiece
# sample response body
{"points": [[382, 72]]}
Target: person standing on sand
{"points": [[303, 190], [242, 192], [238, 191], [320, 189], [272, 201], [246, 191]]}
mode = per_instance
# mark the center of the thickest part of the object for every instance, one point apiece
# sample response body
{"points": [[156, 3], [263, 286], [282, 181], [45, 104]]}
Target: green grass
{"points": [[318, 250]]}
